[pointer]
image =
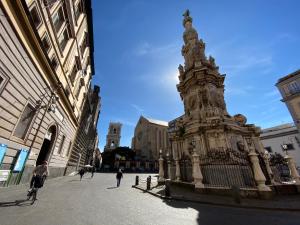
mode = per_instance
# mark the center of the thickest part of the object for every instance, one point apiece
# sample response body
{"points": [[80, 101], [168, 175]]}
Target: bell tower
{"points": [[113, 137]]}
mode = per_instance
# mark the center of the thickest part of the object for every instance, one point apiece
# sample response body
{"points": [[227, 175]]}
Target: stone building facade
{"points": [[150, 136], [86, 138], [46, 66], [113, 136], [289, 87], [208, 144], [274, 139]]}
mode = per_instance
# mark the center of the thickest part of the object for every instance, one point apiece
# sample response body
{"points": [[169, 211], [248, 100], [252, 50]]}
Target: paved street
{"points": [[96, 201]]}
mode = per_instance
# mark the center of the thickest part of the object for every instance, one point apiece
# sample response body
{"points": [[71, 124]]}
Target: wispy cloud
{"points": [[272, 93], [137, 108], [245, 62], [241, 90], [145, 48], [123, 121]]}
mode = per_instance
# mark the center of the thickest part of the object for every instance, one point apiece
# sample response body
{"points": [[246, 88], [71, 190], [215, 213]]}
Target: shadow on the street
{"points": [[111, 187], [23, 202]]}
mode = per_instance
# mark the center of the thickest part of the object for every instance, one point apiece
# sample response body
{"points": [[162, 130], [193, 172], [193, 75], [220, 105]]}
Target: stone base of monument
{"points": [[161, 182], [286, 189], [266, 195], [243, 192]]}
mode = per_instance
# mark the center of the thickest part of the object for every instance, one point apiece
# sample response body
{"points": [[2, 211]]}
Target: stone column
{"points": [[117, 164], [269, 170], [161, 172], [197, 175], [293, 170], [259, 177], [169, 169], [177, 174], [138, 164]]}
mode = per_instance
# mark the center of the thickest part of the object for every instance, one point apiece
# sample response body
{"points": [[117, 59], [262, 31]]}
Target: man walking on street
{"points": [[119, 176], [81, 173]]}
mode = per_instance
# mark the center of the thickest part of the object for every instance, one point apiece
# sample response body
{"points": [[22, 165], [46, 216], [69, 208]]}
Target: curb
{"points": [[218, 204]]}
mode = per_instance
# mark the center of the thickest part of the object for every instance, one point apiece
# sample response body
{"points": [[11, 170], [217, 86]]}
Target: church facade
{"points": [[150, 136]]}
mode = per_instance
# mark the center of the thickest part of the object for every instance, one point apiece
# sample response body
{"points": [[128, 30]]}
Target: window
{"points": [[63, 39], [35, 16], [3, 81], [269, 149], [54, 63], [78, 10], [84, 44], [88, 122], [78, 91], [61, 144], [24, 122], [294, 87], [75, 69], [45, 42], [287, 147], [58, 19], [69, 149]]}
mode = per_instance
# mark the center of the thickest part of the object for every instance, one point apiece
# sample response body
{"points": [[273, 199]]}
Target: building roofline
{"points": [[297, 72]]}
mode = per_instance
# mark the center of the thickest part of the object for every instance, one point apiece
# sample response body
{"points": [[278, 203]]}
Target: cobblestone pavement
{"points": [[96, 201]]}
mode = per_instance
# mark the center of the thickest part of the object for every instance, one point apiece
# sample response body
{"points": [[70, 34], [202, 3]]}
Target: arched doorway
{"points": [[47, 145]]}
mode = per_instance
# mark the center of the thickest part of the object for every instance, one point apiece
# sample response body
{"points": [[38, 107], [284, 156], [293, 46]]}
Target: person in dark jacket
{"points": [[119, 176], [81, 173], [93, 171]]}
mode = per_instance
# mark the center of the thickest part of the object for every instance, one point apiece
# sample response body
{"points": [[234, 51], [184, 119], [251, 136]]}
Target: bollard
{"points": [[236, 194], [136, 180], [167, 188], [148, 183]]}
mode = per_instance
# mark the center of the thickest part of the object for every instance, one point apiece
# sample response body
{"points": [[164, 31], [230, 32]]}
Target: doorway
{"points": [[47, 145]]}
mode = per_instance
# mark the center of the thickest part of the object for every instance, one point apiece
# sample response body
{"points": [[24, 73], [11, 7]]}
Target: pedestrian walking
{"points": [[81, 173], [119, 176], [93, 171], [39, 175]]}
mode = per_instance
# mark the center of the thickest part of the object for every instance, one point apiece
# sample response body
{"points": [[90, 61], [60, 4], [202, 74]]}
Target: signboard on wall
{"points": [[4, 174], [3, 149], [21, 160]]}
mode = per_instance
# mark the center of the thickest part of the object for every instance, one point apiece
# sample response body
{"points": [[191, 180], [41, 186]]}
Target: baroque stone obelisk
{"points": [[207, 124]]}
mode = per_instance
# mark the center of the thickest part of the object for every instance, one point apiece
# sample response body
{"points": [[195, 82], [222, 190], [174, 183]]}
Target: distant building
{"points": [[86, 137], [150, 136], [289, 87], [274, 138], [113, 137]]}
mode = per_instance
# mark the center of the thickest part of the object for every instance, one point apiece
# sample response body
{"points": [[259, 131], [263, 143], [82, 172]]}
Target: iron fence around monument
{"points": [[226, 168], [280, 168]]}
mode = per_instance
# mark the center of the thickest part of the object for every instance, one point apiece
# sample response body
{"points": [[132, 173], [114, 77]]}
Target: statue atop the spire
{"points": [[193, 48], [187, 17]]}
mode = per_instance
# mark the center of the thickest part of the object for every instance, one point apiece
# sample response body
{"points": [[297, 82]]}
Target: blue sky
{"points": [[138, 49]]}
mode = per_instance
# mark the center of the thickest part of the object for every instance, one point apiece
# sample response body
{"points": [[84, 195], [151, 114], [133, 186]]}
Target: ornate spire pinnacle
{"points": [[187, 18]]}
